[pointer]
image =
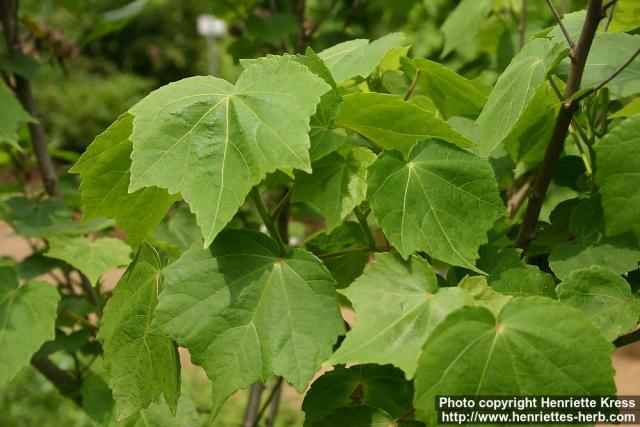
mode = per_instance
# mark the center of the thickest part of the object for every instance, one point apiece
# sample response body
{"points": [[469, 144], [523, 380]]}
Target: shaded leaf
{"points": [[12, 115], [463, 24]]}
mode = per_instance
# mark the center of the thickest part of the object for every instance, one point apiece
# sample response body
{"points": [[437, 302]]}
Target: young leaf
{"points": [[392, 123], [604, 297], [398, 304], [534, 346], [509, 275], [618, 177], [244, 312], [442, 201], [513, 92], [337, 184], [213, 141], [372, 386], [91, 257], [27, 319], [590, 246], [483, 294], [463, 24], [453, 94], [104, 174], [358, 58], [141, 365]]}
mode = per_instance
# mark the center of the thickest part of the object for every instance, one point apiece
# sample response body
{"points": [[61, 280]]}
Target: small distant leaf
{"points": [[509, 275], [104, 173], [337, 184], [358, 58], [514, 91], [91, 257], [442, 201], [141, 365], [115, 19], [618, 178], [12, 115], [244, 312], [590, 246], [273, 29], [392, 123], [398, 304], [463, 24], [27, 319], [212, 141], [453, 94], [534, 346], [367, 386], [604, 297]]}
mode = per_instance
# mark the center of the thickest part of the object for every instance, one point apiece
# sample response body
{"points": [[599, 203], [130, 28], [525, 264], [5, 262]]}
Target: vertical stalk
{"points": [[568, 108], [522, 25], [253, 405], [8, 16]]}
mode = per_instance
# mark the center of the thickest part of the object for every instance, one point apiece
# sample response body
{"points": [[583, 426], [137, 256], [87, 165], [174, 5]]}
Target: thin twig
{"points": [[609, 17], [61, 379], [542, 179], [608, 4], [251, 411], [267, 219], [274, 390], [515, 201], [522, 25], [556, 15], [275, 406], [608, 79], [413, 84], [627, 339]]}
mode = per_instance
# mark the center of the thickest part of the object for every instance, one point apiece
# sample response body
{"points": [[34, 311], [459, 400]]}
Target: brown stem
{"points": [[609, 17], [515, 201], [522, 25], [274, 391], [275, 405], [627, 339], [543, 176], [8, 16], [253, 404], [561, 24], [61, 379]]}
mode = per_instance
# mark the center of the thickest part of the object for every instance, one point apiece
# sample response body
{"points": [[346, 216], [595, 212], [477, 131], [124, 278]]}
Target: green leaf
{"points": [[626, 17], [104, 173], [358, 58], [392, 123], [514, 91], [12, 115], [371, 386], [442, 201], [115, 19], [141, 364], [591, 247], [212, 141], [91, 257], [604, 297], [337, 184], [453, 94], [158, 415], [244, 312], [509, 275], [484, 295], [398, 304], [27, 319], [97, 400], [608, 52], [50, 217], [534, 346], [630, 109], [618, 177], [179, 230], [344, 251], [463, 24], [361, 416]]}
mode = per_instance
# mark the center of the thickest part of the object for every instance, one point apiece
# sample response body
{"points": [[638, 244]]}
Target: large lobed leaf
{"points": [[141, 365], [104, 172], [212, 141], [245, 312], [27, 319], [443, 201]]}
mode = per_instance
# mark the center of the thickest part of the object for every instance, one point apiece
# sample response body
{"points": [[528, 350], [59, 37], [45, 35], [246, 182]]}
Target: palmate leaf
{"points": [[337, 184], [104, 173], [141, 365], [534, 346], [392, 123], [244, 312], [27, 319], [368, 387], [91, 257], [212, 141], [398, 304], [358, 58], [604, 297], [443, 201], [513, 92], [12, 115], [618, 177]]}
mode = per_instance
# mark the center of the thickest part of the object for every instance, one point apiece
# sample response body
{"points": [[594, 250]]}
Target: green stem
{"points": [[267, 219], [362, 220]]}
